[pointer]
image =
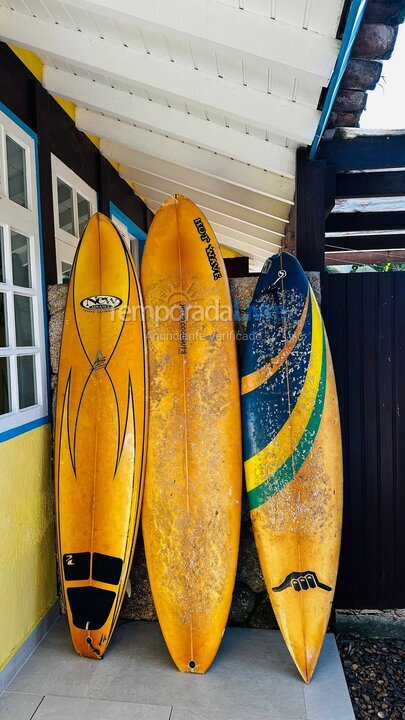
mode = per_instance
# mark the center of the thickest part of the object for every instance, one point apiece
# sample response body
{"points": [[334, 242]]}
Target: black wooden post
{"points": [[42, 121], [310, 199]]}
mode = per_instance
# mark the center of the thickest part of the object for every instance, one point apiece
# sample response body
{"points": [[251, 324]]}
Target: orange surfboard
{"points": [[192, 500], [100, 434]]}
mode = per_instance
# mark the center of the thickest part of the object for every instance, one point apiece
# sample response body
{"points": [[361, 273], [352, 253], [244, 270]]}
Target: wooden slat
{"points": [[355, 420], [365, 242], [334, 311], [365, 221], [366, 327], [386, 422], [373, 184], [371, 488], [364, 152], [399, 435], [310, 211]]}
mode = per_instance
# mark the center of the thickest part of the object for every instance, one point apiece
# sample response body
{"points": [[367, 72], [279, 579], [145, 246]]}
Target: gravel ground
{"points": [[375, 674]]}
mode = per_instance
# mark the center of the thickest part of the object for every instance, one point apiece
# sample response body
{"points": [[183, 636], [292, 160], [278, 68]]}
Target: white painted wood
{"points": [[148, 172], [201, 181], [370, 204], [24, 220], [201, 134], [225, 28], [232, 224], [244, 248], [216, 95], [142, 145], [159, 194], [265, 245]]}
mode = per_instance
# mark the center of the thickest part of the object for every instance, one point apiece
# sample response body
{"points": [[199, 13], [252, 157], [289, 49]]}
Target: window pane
{"points": [[20, 252], [66, 272], [27, 386], [65, 207], [83, 208], [16, 170], [24, 326], [3, 320], [4, 386], [2, 266]]}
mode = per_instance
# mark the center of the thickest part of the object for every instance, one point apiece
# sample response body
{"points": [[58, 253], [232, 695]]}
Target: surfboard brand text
{"points": [[100, 303], [210, 250], [183, 330]]}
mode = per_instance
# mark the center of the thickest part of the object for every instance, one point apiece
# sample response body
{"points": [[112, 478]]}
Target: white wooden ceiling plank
{"points": [[165, 172], [145, 147], [164, 188], [245, 247], [292, 12], [161, 119], [59, 14], [214, 93], [224, 26], [261, 7], [106, 27], [267, 246], [324, 16], [38, 9], [155, 43], [130, 36]]}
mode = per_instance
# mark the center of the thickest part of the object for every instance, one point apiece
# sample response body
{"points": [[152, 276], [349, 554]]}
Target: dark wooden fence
{"points": [[365, 320]]}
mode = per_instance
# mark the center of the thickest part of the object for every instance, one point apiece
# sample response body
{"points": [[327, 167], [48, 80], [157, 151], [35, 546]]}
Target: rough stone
{"points": [[314, 278], [344, 120], [57, 295], [385, 11], [140, 605], [350, 101], [263, 616], [375, 41], [55, 336], [249, 571], [371, 623], [361, 74], [243, 602]]}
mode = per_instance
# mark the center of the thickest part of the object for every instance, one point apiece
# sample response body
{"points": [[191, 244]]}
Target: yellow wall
{"points": [[27, 537]]}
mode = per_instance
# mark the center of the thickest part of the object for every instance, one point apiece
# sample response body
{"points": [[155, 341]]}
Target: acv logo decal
{"points": [[98, 303]]}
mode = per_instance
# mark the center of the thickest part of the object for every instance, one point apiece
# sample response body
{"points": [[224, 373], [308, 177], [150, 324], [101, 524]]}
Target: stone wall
{"points": [[375, 42]]}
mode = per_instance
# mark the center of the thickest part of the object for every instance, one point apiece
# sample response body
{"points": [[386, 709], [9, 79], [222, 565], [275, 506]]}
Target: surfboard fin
{"points": [[128, 588]]}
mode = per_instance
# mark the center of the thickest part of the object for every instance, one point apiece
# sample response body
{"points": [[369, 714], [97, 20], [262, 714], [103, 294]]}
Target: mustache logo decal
{"points": [[306, 580]]}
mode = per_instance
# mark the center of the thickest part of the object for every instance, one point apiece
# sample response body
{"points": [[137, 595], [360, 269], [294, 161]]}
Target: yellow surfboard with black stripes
{"points": [[292, 455], [192, 502], [100, 434]]}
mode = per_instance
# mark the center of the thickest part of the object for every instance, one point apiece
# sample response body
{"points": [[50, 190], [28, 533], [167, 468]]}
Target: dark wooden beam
{"points": [[330, 189], [371, 184], [237, 267], [362, 150], [310, 194], [365, 242], [365, 221], [42, 119]]}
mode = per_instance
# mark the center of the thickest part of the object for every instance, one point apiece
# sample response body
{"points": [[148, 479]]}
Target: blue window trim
{"points": [[45, 419], [132, 227]]}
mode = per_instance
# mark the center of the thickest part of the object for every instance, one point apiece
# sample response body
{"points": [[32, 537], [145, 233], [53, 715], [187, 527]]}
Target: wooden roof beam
{"points": [[223, 28]]}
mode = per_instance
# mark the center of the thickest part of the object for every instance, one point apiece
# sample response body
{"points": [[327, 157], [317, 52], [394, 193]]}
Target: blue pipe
{"points": [[352, 27]]}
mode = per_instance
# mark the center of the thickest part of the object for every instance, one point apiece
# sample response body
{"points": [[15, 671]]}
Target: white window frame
{"points": [[25, 221], [131, 241], [66, 243]]}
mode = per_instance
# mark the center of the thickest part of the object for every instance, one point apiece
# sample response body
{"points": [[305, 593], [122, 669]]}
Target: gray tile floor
{"points": [[252, 678]]}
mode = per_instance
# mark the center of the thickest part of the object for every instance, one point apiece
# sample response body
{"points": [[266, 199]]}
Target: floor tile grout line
{"points": [[37, 707]]}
